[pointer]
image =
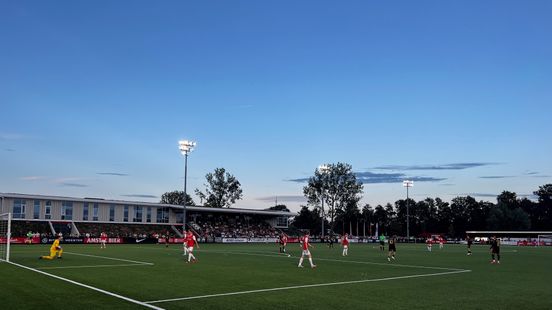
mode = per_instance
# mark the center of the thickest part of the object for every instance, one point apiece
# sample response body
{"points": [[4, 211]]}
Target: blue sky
{"points": [[456, 95]]}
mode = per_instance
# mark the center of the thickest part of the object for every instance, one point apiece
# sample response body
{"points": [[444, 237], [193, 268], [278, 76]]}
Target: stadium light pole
{"points": [[185, 147], [323, 169], [407, 184]]}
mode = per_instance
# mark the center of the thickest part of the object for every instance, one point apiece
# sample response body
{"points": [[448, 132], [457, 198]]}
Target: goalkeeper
{"points": [[55, 250]]}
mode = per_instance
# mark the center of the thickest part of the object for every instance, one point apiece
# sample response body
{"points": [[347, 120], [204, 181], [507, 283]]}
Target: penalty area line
{"points": [[111, 258], [89, 287], [306, 286], [91, 266]]}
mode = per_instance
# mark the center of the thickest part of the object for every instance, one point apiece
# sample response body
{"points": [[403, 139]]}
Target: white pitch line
{"points": [[247, 253], [340, 260], [112, 258], [389, 264], [91, 266], [305, 286], [89, 287]]}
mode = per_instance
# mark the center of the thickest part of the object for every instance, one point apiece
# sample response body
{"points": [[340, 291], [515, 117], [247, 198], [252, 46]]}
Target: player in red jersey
{"points": [[191, 241], [283, 242], [103, 240], [441, 242], [305, 244], [345, 244]]}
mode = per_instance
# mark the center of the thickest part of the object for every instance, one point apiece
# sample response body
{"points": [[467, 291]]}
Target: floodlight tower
{"points": [[323, 169], [407, 184], [185, 147]]}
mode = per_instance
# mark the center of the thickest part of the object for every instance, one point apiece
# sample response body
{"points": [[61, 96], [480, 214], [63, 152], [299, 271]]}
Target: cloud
{"points": [[117, 174], [378, 178], [283, 198], [478, 195], [11, 136], [454, 166], [447, 184], [72, 184], [140, 196], [530, 173], [9, 150], [496, 176], [32, 178]]}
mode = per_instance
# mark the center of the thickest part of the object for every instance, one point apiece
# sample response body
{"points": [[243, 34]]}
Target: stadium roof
{"points": [[151, 204]]}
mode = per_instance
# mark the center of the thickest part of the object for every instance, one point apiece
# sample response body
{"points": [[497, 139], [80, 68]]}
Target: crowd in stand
{"points": [[124, 230], [38, 229], [207, 228], [236, 229]]}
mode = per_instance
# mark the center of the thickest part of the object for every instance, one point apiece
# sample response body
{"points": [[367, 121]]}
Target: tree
{"points": [[221, 190], [176, 198], [339, 187], [543, 212], [279, 208], [307, 219]]}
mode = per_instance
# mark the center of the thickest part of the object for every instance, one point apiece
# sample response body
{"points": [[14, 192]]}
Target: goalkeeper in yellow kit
{"points": [[55, 250]]}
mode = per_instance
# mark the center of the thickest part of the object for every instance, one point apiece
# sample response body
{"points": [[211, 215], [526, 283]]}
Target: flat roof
{"points": [[511, 232], [150, 204]]}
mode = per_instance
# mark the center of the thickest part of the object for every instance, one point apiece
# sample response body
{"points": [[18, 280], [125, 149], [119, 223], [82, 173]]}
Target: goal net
{"points": [[543, 240], [5, 233]]}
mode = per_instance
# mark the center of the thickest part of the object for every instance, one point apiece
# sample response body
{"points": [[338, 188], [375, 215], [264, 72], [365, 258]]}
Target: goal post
{"points": [[5, 236], [544, 240]]}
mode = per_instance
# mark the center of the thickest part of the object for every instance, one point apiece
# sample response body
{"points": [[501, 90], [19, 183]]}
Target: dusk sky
{"points": [[455, 95]]}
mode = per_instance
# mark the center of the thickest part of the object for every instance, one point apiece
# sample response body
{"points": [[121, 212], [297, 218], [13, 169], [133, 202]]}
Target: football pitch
{"points": [[256, 276]]}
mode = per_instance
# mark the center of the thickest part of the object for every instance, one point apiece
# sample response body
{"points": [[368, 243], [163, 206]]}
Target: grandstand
{"points": [[79, 217]]}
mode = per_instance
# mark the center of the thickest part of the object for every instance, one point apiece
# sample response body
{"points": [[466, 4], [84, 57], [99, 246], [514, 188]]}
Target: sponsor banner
{"points": [[19, 240], [247, 240], [171, 240], [67, 240], [531, 243], [98, 240]]}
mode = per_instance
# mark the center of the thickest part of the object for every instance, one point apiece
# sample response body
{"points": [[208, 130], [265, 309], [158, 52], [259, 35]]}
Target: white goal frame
{"points": [[6, 257], [549, 243]]}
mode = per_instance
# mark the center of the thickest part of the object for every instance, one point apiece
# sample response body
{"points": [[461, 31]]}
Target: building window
{"points": [[36, 210], [137, 214], [19, 206], [48, 210], [148, 215], [85, 212], [125, 214], [95, 211], [282, 221], [112, 213], [67, 210], [163, 215]]}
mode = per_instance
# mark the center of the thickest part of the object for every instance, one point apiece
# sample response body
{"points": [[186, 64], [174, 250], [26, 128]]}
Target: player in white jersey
{"points": [[184, 235]]}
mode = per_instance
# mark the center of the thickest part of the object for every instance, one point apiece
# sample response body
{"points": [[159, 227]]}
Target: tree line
{"points": [[435, 216], [333, 193]]}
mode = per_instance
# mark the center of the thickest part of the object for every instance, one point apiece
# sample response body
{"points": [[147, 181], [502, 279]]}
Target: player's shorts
{"points": [[345, 246], [496, 250], [190, 249], [306, 253], [103, 240], [392, 248], [382, 242]]}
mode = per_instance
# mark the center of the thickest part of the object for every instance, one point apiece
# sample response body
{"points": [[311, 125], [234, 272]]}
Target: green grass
{"points": [[521, 281]]}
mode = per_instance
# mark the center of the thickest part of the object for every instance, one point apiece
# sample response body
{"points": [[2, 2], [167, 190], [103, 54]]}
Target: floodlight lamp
{"points": [[408, 183], [323, 168], [186, 146]]}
